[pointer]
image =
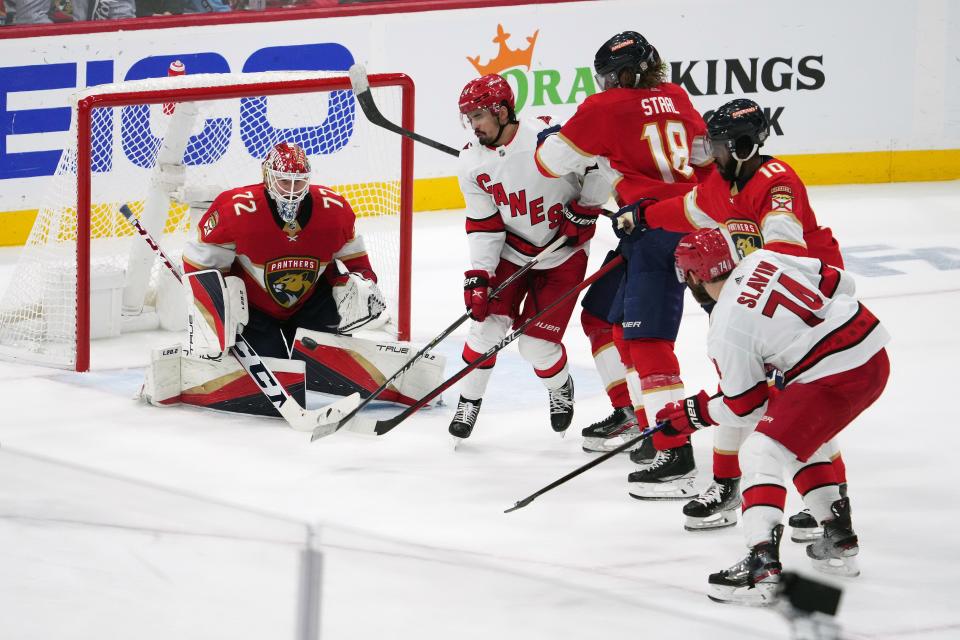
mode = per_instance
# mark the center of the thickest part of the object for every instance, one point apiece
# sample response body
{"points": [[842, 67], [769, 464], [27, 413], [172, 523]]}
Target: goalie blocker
{"points": [[322, 362]]}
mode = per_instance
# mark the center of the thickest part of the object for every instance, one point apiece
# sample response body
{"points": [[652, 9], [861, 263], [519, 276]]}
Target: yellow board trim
{"points": [[431, 194]]}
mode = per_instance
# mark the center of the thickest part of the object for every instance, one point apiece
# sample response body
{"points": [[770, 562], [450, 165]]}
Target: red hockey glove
{"points": [[476, 293], [579, 223], [686, 417]]}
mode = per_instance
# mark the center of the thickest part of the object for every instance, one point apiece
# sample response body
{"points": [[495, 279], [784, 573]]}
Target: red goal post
{"points": [[374, 201]]}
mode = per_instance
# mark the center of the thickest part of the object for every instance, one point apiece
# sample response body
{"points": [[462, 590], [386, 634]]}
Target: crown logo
{"points": [[506, 57]]}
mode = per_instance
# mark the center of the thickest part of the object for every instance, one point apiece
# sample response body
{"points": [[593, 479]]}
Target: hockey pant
{"points": [[549, 359]]}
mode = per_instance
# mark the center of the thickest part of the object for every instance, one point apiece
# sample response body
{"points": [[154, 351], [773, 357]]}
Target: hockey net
{"points": [[165, 147]]}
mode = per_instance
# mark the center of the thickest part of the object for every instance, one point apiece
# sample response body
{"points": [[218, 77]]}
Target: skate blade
{"points": [[805, 534], [605, 445], [843, 567], [456, 442], [720, 520], [673, 490], [762, 595]]}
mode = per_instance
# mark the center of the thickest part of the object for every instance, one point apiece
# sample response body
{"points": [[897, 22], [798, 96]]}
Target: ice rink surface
{"points": [[120, 520]]}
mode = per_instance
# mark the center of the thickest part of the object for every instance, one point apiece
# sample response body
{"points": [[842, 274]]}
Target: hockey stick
{"points": [[296, 416], [361, 89], [350, 407], [590, 465], [380, 427]]}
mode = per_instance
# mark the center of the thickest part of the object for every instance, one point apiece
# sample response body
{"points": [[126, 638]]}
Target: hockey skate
{"points": [[644, 454], [754, 580], [611, 432], [561, 406], [464, 419], [804, 527], [670, 477], [715, 508], [833, 553]]}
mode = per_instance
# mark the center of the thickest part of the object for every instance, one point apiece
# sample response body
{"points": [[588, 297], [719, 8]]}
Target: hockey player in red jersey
{"points": [[513, 213], [800, 316], [278, 243], [647, 138], [762, 203]]}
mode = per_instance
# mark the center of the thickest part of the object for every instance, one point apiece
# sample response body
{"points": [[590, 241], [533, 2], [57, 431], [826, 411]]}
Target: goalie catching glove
{"points": [[216, 311], [687, 416], [359, 301]]}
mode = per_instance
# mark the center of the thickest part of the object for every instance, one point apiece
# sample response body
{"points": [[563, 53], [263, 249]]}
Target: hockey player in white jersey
{"points": [[800, 316], [513, 213]]}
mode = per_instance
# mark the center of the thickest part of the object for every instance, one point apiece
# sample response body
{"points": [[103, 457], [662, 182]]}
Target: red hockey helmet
{"points": [[708, 253], [486, 92], [286, 174]]}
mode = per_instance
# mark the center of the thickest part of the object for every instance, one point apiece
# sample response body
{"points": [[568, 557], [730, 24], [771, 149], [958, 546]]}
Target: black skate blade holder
{"points": [[573, 474]]}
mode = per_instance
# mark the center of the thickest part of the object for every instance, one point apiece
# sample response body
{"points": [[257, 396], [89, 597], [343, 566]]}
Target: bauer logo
{"points": [[289, 279]]}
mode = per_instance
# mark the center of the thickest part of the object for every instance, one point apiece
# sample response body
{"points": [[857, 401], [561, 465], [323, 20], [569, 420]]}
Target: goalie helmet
{"points": [[488, 92], [286, 175], [626, 50], [735, 121], [708, 253]]}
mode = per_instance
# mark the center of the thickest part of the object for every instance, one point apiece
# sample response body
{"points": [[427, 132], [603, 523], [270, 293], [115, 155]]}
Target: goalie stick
{"points": [[361, 89], [325, 430], [380, 427], [590, 465], [296, 416]]}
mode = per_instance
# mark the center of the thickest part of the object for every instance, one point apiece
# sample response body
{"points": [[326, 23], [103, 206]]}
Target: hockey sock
{"points": [[726, 447], [482, 336], [817, 483], [549, 360], [659, 371], [607, 359], [764, 493], [839, 468]]}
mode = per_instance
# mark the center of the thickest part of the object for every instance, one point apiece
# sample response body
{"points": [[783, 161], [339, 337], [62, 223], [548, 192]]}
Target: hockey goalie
{"points": [[280, 263]]}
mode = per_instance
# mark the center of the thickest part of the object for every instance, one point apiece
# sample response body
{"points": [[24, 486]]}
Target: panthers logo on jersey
{"points": [[288, 279], [746, 236]]}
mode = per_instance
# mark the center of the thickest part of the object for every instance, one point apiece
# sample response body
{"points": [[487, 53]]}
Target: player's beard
{"points": [[482, 138], [700, 293]]}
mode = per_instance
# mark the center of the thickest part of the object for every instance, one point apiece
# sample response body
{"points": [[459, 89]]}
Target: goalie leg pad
{"points": [[161, 384], [217, 311], [341, 365], [222, 384]]}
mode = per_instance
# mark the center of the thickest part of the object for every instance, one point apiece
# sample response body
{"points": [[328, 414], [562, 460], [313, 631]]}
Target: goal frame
{"points": [[84, 111]]}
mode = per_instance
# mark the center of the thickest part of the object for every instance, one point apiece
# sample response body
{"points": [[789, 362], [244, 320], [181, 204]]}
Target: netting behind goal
{"points": [[165, 147]]}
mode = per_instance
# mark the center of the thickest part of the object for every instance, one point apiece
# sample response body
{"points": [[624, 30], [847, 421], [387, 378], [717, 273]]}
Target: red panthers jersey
{"points": [[772, 211], [647, 142], [280, 264]]}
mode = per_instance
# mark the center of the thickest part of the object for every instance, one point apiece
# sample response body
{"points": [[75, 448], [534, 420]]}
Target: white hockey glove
{"points": [[359, 302], [216, 311]]}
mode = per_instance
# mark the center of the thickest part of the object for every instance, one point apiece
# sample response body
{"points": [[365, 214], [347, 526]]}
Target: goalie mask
{"points": [[286, 175]]}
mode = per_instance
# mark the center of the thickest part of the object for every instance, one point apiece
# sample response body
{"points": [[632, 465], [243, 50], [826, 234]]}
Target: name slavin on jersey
{"points": [[293, 263], [519, 206], [758, 281], [659, 104]]}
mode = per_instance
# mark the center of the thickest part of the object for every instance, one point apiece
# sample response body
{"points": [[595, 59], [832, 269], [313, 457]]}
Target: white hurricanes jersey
{"points": [[514, 211], [794, 314]]}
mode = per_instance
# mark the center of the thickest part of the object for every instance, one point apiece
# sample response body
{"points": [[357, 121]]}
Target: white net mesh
{"points": [[159, 160]]}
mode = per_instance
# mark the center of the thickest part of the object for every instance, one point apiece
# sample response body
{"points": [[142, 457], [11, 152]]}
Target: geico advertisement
{"points": [[823, 76]]}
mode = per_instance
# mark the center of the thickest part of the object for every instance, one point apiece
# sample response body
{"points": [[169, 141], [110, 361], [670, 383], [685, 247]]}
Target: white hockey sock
{"points": [[609, 367], [636, 393], [481, 337], [816, 481], [549, 360], [658, 391], [762, 461]]}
